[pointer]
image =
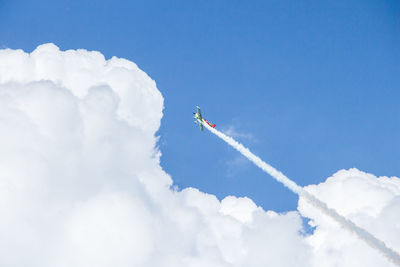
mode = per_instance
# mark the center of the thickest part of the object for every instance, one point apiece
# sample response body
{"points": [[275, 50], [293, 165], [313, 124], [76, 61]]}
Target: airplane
{"points": [[200, 119]]}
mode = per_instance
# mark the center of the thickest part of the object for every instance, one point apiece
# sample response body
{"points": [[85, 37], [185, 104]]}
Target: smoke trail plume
{"points": [[364, 235]]}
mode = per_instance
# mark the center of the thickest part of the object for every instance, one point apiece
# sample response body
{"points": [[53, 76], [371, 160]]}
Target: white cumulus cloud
{"points": [[369, 201], [81, 183]]}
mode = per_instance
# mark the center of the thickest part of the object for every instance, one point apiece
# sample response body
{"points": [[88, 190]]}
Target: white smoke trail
{"points": [[371, 240]]}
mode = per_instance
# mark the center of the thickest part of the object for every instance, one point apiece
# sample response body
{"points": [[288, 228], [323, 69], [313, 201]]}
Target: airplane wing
{"points": [[199, 112], [199, 118]]}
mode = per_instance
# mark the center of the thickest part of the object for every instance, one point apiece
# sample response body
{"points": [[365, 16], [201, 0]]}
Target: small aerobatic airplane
{"points": [[200, 119]]}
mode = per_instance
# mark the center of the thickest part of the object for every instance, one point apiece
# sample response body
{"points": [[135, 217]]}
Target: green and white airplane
{"points": [[200, 119]]}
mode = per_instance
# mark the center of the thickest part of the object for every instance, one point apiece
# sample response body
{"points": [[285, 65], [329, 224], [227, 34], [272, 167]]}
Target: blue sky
{"points": [[312, 87]]}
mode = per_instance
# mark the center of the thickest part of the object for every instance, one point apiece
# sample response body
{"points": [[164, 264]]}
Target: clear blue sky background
{"points": [[310, 86]]}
